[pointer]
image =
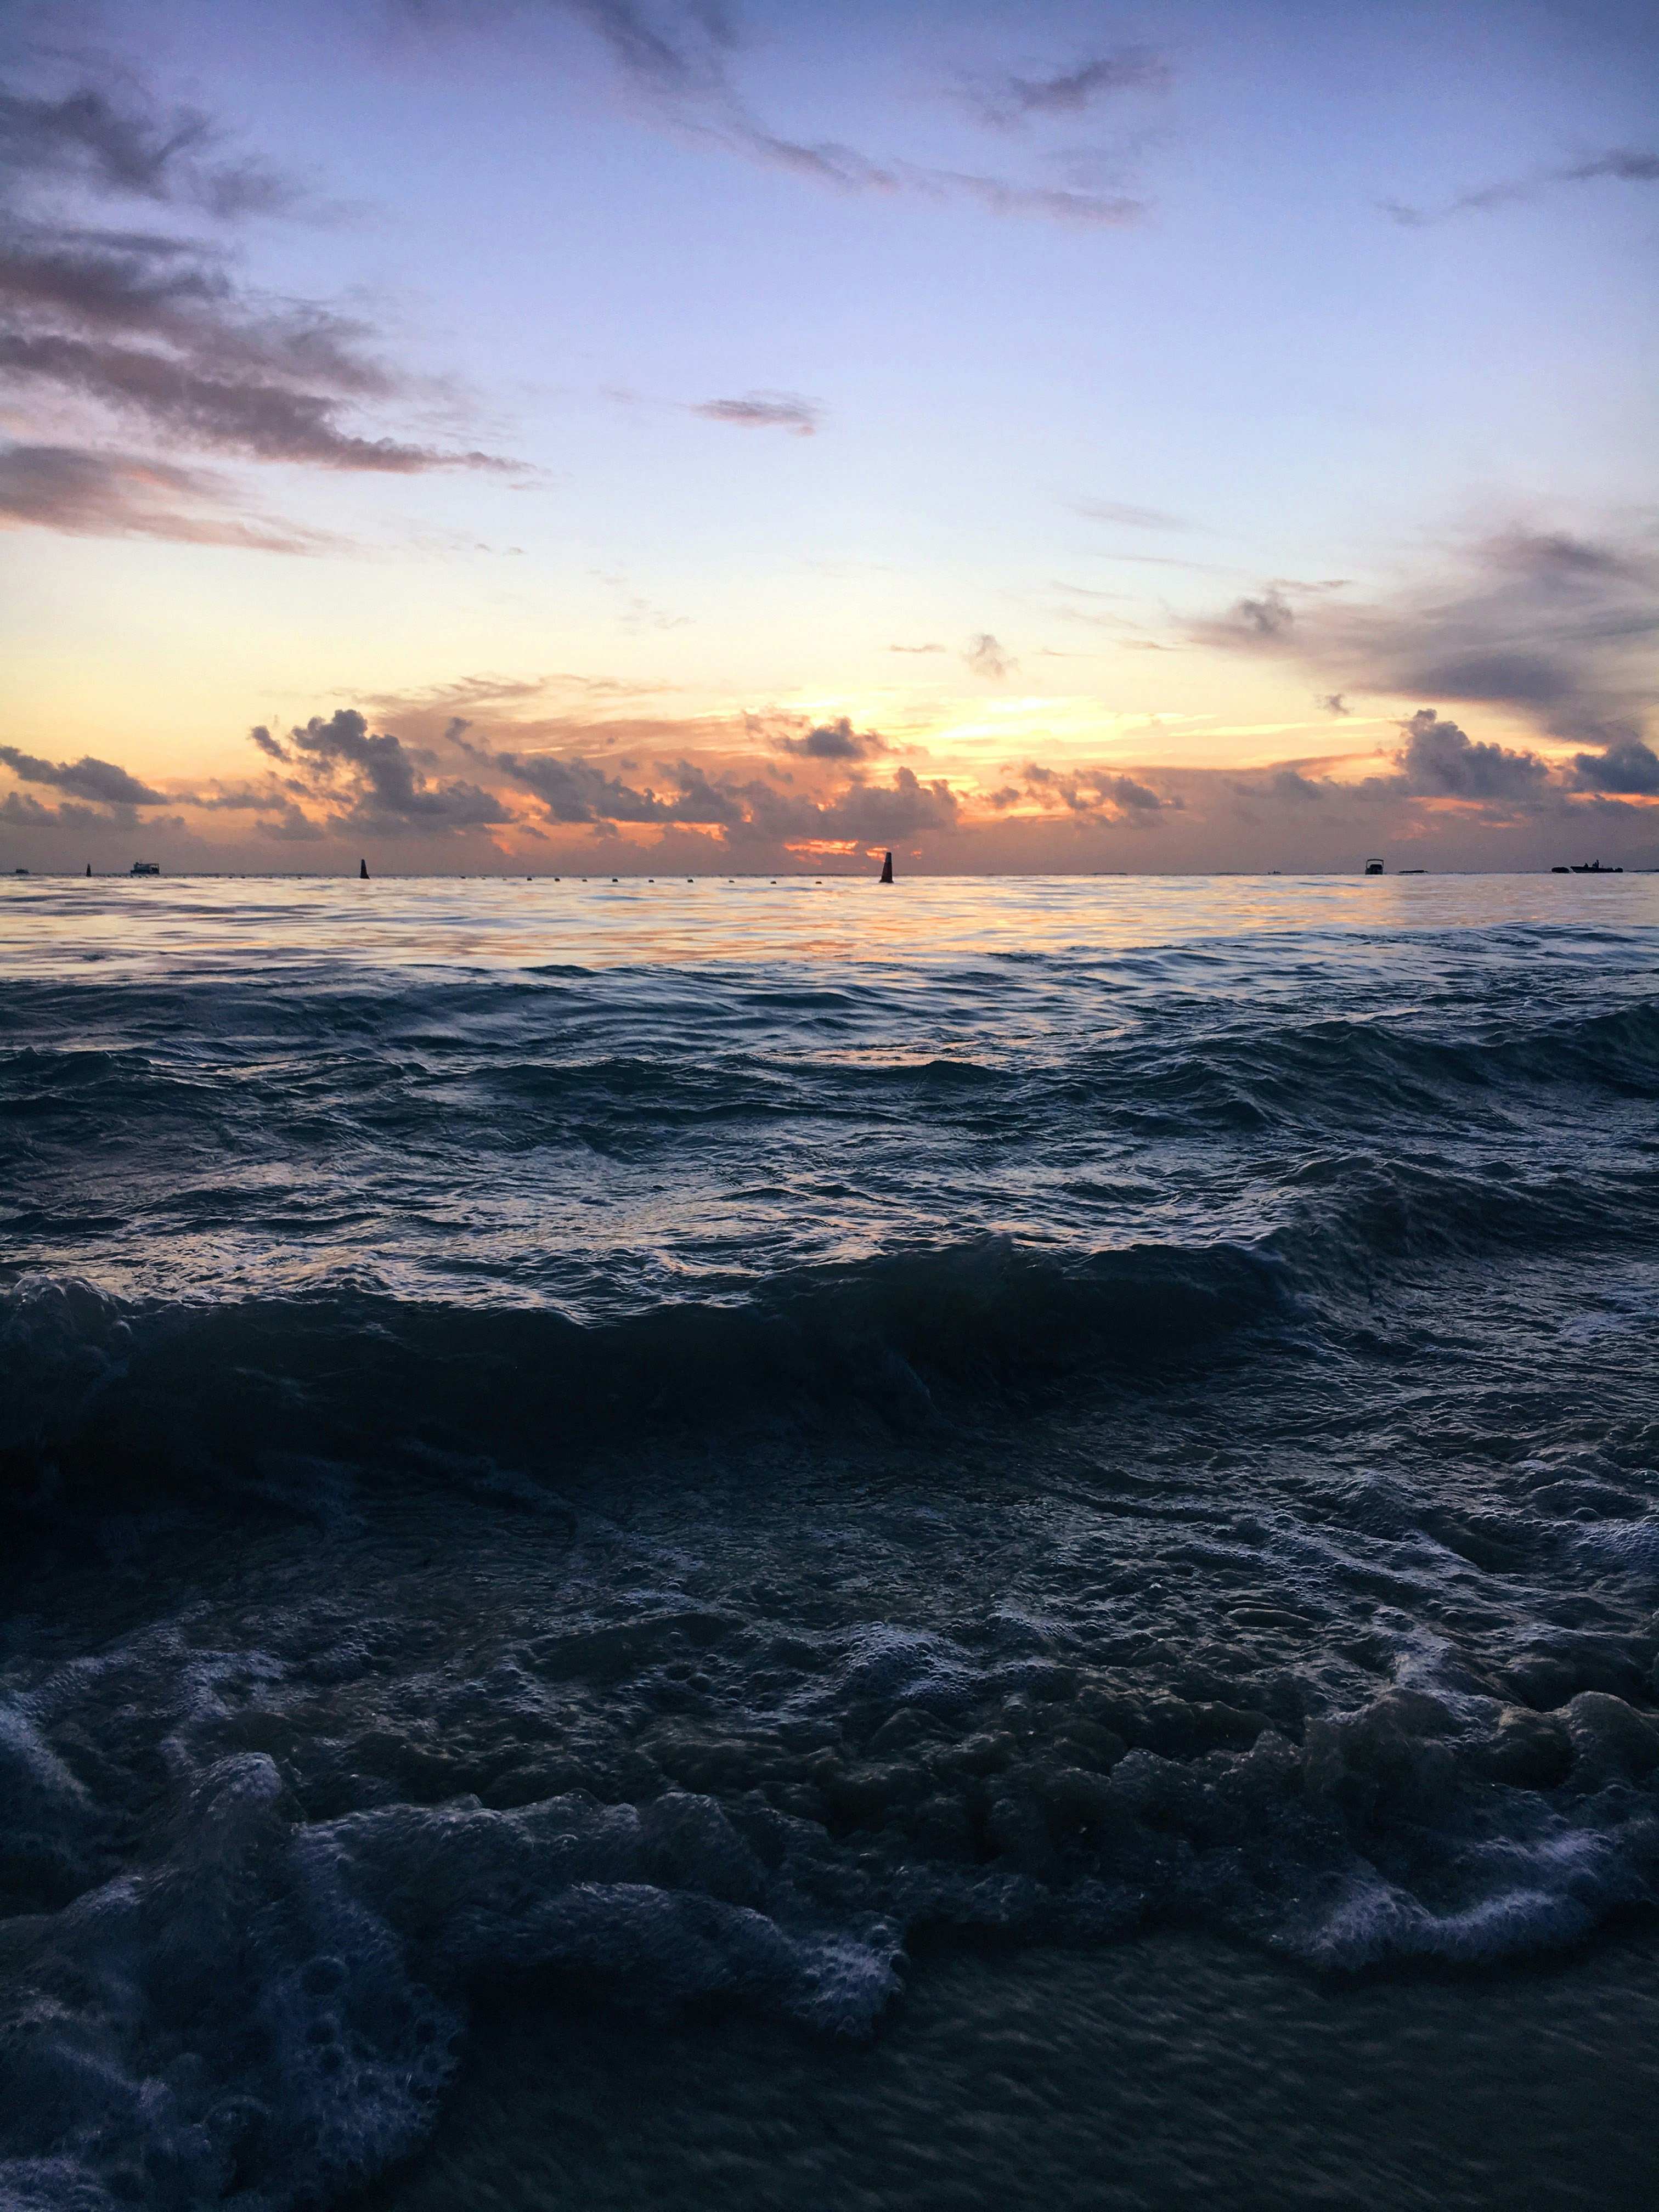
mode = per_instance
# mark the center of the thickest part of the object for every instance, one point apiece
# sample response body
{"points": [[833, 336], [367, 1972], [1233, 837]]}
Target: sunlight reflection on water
{"points": [[182, 925]]}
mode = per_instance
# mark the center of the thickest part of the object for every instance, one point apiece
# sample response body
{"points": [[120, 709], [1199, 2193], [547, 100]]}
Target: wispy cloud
{"points": [[1624, 165], [1008, 100], [1132, 518], [766, 410], [154, 329], [677, 60], [127, 145], [1002, 196], [986, 657], [93, 494], [158, 333]]}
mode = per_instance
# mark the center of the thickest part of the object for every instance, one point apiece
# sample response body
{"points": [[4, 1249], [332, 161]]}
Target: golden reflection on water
{"points": [[239, 925]]}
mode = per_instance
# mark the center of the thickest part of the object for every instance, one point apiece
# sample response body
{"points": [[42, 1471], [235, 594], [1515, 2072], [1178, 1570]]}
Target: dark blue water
{"points": [[698, 1435]]}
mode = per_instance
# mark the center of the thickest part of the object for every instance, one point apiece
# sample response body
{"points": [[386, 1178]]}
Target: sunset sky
{"points": [[627, 433]]}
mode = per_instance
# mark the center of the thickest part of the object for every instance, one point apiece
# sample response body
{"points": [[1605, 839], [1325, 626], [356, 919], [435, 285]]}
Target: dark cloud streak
{"points": [[90, 138], [159, 329], [766, 410], [100, 781], [1007, 101], [114, 495], [1623, 165], [677, 58]]}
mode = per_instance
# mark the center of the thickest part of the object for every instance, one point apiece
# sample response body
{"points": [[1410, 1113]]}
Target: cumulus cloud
{"points": [[835, 799], [572, 791], [835, 741], [272, 747], [873, 813], [1631, 767], [1093, 790], [1440, 761], [766, 410], [1557, 630], [1622, 164], [372, 782]]}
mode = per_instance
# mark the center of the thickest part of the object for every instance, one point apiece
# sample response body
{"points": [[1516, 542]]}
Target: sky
{"points": [[705, 435]]}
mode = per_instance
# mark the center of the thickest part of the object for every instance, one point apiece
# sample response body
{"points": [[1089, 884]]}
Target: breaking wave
{"points": [[675, 1481]]}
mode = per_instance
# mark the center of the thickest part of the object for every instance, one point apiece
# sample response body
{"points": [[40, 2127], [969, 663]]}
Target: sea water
{"points": [[685, 1456]]}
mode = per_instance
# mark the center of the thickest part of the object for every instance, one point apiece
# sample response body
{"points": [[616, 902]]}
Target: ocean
{"points": [[736, 1543]]}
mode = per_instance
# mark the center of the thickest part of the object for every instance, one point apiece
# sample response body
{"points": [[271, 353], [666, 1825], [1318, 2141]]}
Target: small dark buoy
{"points": [[887, 869], [362, 872], [88, 867]]}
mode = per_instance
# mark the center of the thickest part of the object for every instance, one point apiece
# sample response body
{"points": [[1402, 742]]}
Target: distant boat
{"points": [[887, 869], [1593, 868], [145, 868], [1373, 867]]}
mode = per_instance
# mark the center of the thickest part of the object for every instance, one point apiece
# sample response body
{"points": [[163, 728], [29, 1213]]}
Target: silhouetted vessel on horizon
{"points": [[1588, 868]]}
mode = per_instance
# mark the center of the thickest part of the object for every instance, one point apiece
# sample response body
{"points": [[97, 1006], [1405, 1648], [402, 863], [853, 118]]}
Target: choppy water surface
{"points": [[694, 1434]]}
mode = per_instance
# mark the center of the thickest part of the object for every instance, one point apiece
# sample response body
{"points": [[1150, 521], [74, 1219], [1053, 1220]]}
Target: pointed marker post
{"points": [[362, 872], [887, 869]]}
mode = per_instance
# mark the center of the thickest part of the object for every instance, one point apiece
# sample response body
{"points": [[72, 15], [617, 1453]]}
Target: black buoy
{"points": [[362, 872], [88, 867], [887, 869]]}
